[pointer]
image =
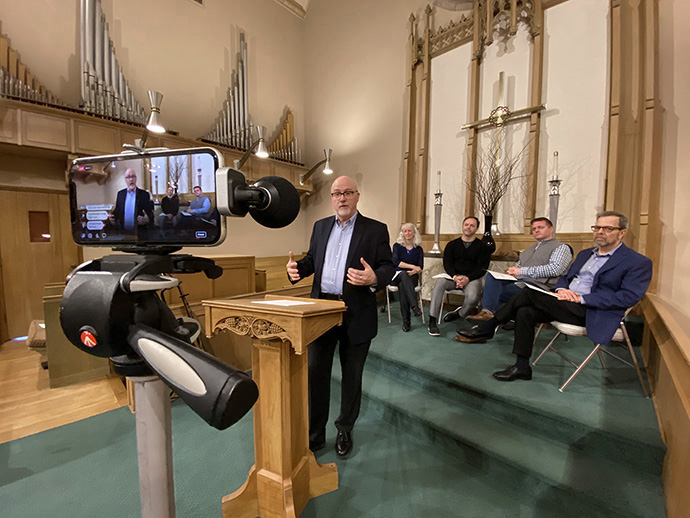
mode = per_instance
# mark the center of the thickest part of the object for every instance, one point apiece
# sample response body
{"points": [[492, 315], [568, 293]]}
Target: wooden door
{"points": [[36, 248]]}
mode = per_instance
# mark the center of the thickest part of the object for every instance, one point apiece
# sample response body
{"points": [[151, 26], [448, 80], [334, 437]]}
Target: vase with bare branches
{"points": [[176, 166], [494, 170]]}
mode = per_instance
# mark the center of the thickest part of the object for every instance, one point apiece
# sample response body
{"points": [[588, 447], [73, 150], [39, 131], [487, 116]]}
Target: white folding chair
{"points": [[394, 289], [446, 300], [621, 336]]}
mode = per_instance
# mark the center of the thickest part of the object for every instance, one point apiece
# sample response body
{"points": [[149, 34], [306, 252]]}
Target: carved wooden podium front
{"points": [[285, 474]]}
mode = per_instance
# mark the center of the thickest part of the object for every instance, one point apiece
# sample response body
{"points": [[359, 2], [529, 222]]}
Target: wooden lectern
{"points": [[285, 474]]}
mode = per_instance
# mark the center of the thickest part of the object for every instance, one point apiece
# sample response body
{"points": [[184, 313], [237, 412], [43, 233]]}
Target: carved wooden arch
{"points": [[502, 15], [634, 134]]}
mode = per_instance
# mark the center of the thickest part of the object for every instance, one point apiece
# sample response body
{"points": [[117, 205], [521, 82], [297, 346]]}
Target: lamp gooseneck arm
{"points": [[239, 163], [304, 177]]}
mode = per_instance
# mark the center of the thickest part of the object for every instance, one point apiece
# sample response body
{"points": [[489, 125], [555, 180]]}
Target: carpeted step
{"points": [[601, 412], [563, 426], [530, 464]]}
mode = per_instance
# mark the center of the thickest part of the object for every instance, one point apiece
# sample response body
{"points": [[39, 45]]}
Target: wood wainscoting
{"points": [[666, 351]]}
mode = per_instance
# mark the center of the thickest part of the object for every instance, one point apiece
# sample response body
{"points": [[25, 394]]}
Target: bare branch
{"points": [[494, 171]]}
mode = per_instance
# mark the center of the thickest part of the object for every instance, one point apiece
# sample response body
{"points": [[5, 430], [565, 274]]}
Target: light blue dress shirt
{"points": [[130, 206], [334, 263], [583, 281]]}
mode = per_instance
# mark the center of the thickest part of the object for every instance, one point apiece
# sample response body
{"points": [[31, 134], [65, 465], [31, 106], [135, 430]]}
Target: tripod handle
{"points": [[219, 393]]}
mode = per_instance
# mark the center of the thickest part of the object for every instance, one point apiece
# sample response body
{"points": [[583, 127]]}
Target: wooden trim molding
{"points": [[666, 351], [294, 7]]}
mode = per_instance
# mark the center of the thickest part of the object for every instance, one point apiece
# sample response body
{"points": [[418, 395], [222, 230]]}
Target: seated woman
{"points": [[408, 257]]}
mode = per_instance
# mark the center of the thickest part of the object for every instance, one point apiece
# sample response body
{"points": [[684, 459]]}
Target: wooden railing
{"points": [[666, 350]]}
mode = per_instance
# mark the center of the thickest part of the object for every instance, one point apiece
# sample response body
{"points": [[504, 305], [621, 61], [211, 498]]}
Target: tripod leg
{"points": [[154, 446]]}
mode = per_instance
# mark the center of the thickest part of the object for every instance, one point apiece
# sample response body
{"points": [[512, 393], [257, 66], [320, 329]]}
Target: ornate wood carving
{"points": [[252, 326], [454, 35]]}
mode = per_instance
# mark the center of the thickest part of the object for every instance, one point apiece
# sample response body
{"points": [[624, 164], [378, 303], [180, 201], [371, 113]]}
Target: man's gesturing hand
{"points": [[365, 277], [292, 270]]}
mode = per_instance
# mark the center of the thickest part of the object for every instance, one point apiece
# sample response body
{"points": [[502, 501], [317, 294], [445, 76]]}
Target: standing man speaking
{"points": [[350, 257]]}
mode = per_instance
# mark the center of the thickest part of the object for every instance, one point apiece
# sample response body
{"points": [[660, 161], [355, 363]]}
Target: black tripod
{"points": [[112, 308]]}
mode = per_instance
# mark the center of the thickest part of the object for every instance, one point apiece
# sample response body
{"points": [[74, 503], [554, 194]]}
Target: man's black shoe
{"points": [[509, 326], [433, 328], [406, 326], [343, 444], [512, 373], [315, 446], [451, 315], [417, 311], [475, 331]]}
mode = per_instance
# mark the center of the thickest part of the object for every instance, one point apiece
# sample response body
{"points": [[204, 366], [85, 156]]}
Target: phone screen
{"points": [[159, 198]]}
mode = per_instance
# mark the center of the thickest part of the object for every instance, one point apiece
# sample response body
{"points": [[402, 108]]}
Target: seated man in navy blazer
{"points": [[133, 212], [600, 285], [350, 257]]}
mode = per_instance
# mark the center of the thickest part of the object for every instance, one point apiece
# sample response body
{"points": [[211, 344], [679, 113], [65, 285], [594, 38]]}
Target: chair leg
{"points": [[547, 347], [388, 304], [634, 358], [421, 306], [582, 366], [601, 359], [443, 303], [541, 326]]}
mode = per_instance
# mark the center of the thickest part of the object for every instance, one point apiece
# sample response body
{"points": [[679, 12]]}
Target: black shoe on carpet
{"points": [[476, 332], [316, 446], [343, 444], [433, 328], [417, 312], [406, 326], [452, 315], [512, 373]]}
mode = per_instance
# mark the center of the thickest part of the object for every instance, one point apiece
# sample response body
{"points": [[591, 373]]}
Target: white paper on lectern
{"points": [[501, 276], [282, 302]]}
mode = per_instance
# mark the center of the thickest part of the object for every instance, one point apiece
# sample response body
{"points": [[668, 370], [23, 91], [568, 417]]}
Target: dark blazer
{"points": [[369, 240], [143, 205], [618, 285]]}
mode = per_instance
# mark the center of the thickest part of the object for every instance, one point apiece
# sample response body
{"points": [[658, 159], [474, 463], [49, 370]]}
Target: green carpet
{"points": [[437, 436]]}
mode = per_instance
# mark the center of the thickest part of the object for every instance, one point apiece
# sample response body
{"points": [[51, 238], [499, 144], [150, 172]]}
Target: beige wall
{"points": [[355, 68], [674, 75]]}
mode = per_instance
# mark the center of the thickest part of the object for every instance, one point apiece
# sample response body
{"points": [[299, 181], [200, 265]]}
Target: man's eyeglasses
{"points": [[597, 228], [346, 194]]}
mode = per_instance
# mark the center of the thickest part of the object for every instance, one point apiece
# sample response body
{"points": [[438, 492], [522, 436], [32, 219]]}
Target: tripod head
{"points": [[111, 307]]}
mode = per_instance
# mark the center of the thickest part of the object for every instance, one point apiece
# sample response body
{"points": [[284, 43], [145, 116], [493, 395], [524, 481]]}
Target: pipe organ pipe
{"points": [[245, 87]]}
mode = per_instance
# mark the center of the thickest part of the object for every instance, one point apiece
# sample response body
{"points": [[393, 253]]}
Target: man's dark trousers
{"points": [[529, 308], [352, 357]]}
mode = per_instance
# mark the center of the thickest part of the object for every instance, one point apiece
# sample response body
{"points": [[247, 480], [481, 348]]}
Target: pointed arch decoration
{"points": [[633, 113]]}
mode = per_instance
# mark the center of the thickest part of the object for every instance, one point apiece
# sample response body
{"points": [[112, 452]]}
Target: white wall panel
{"points": [[513, 57], [450, 76], [575, 124]]}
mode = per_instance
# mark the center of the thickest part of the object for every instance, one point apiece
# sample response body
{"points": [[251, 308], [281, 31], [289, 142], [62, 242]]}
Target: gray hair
{"points": [[622, 220], [416, 240]]}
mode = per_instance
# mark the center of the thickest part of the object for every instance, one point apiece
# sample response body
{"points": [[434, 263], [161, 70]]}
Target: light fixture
{"points": [[154, 124], [259, 145], [326, 168]]}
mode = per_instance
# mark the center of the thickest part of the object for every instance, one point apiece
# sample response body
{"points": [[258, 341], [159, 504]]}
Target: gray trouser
{"points": [[472, 293]]}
